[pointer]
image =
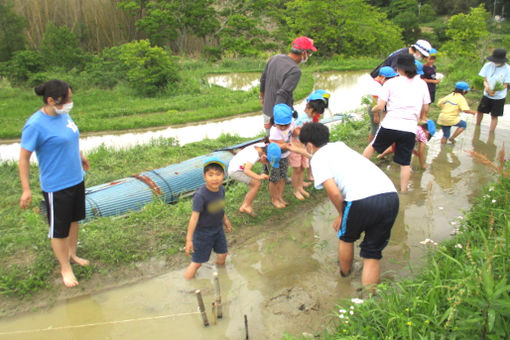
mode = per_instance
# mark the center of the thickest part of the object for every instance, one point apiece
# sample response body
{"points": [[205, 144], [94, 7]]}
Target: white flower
{"points": [[458, 245], [493, 201], [453, 223], [352, 307], [341, 316], [460, 217], [357, 301], [351, 312], [491, 189], [343, 311], [427, 241], [440, 208]]}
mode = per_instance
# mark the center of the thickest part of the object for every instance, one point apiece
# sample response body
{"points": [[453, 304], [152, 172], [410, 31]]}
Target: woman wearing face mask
{"points": [[54, 137], [496, 77]]}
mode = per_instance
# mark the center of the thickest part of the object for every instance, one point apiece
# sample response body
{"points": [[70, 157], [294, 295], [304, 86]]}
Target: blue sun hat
{"points": [[282, 114], [433, 51], [388, 72], [316, 96], [274, 154], [431, 126], [214, 160], [462, 85], [419, 67]]}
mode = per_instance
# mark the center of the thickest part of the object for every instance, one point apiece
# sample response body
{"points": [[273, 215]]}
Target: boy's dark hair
{"points": [[317, 105], [56, 89], [433, 57], [213, 166], [315, 133], [463, 92]]}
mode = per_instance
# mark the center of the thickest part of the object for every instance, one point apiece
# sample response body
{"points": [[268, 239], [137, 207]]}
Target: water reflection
{"points": [[236, 81]]}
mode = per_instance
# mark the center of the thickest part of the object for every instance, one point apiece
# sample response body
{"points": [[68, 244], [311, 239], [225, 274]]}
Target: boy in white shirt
{"points": [[365, 198]]}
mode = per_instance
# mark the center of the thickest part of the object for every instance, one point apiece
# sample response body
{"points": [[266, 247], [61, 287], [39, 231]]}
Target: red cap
{"points": [[303, 43]]}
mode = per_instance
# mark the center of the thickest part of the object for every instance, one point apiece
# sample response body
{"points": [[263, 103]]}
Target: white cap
{"points": [[423, 46]]}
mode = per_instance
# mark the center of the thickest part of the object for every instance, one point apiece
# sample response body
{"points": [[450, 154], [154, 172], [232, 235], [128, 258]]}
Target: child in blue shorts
{"points": [[365, 198], [451, 107], [205, 227]]}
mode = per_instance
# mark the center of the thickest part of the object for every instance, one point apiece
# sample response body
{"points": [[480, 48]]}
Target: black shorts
{"points": [[204, 241], [493, 106], [279, 173], [373, 215], [63, 207], [404, 144]]}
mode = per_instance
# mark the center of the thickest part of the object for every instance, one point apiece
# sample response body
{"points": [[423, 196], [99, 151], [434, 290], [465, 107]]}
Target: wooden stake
{"points": [[246, 327], [219, 308], [202, 307]]}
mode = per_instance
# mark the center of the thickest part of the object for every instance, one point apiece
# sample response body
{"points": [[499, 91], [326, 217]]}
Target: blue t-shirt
{"points": [[55, 140], [211, 206], [495, 74]]}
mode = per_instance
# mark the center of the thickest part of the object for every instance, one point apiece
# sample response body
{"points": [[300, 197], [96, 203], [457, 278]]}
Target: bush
{"points": [[150, 69], [23, 65], [105, 70], [60, 48]]}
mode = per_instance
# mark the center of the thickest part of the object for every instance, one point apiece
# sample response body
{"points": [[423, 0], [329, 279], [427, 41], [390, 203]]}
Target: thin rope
{"points": [[96, 324]]}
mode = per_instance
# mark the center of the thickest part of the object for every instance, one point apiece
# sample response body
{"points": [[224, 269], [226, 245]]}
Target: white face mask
{"points": [[66, 108], [418, 56], [305, 57]]}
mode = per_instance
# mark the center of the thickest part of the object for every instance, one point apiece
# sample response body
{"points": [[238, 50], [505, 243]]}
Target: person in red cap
{"points": [[281, 76]]}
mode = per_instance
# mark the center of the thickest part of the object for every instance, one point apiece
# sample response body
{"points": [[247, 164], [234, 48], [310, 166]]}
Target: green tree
{"points": [[11, 31], [405, 14], [350, 27], [150, 70], [467, 33], [60, 47]]}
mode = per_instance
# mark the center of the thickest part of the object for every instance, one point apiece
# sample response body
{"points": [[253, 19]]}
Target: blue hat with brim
{"points": [[431, 126], [433, 51], [419, 67], [388, 72], [214, 160], [323, 93], [282, 114], [462, 85], [274, 154], [316, 96]]}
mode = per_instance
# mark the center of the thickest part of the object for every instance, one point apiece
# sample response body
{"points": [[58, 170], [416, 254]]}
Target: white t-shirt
{"points": [[495, 74], [355, 176], [373, 87], [405, 98], [247, 155], [279, 135]]}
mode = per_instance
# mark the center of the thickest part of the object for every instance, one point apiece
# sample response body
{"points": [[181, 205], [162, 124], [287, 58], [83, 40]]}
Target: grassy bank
{"points": [[461, 293], [28, 266], [195, 100]]}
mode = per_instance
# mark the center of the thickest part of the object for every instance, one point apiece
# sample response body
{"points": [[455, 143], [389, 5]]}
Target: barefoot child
{"points": [[240, 169], [280, 133], [365, 198], [451, 106], [423, 134], [205, 227], [314, 109]]}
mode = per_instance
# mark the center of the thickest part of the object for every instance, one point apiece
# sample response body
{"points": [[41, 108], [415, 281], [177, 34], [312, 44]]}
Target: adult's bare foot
{"points": [[69, 279], [307, 184], [80, 261], [304, 192], [298, 195], [247, 211], [277, 204]]}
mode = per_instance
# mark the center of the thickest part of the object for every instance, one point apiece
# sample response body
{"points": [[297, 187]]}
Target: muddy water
{"points": [[282, 276], [347, 88]]}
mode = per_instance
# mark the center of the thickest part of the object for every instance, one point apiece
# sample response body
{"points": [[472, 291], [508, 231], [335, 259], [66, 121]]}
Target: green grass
{"points": [[191, 100]]}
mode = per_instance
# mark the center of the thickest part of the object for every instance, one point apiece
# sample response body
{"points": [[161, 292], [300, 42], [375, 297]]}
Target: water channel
{"points": [[283, 275]]}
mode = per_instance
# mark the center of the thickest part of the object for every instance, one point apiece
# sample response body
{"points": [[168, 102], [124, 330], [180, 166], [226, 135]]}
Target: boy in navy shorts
{"points": [[205, 227], [365, 198]]}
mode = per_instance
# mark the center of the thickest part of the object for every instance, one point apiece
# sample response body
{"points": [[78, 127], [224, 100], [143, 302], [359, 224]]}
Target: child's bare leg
{"points": [[345, 257], [494, 123], [273, 191], [443, 140], [369, 151], [61, 249], [479, 117], [73, 244], [254, 187], [309, 171], [281, 188], [191, 270], [387, 151], [296, 182], [370, 273], [220, 259], [405, 176], [456, 133]]}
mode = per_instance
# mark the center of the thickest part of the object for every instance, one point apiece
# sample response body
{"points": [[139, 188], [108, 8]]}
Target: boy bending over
{"points": [[205, 227], [365, 198]]}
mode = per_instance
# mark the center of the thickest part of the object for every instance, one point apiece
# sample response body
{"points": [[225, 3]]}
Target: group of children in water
{"points": [[365, 198]]}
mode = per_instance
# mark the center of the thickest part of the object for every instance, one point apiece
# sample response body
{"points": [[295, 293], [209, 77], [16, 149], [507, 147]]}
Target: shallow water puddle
{"points": [[284, 276]]}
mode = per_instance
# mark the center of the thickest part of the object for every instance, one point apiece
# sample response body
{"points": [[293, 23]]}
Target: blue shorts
{"points": [[206, 241], [446, 129], [373, 215]]}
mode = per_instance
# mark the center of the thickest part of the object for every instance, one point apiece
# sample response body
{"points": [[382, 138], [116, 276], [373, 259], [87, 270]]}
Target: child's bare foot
{"points": [[443, 140], [298, 195], [277, 204], [452, 140], [306, 184], [69, 278], [304, 192], [248, 211], [282, 201], [80, 261]]}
